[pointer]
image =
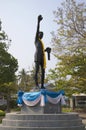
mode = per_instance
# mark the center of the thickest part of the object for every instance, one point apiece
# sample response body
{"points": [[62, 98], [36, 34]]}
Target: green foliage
{"points": [[25, 79], [8, 64], [13, 103], [69, 47], [71, 32], [2, 113], [3, 107], [8, 67], [64, 109], [16, 109]]}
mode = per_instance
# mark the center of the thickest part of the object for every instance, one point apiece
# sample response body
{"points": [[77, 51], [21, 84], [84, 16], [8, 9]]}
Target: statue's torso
{"points": [[39, 52]]}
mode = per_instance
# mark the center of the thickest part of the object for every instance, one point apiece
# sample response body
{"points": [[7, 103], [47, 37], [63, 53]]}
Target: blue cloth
{"points": [[20, 100], [54, 94], [31, 96], [34, 96]]}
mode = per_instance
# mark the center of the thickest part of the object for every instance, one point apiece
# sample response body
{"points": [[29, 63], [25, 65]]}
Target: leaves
{"points": [[8, 64], [69, 47]]}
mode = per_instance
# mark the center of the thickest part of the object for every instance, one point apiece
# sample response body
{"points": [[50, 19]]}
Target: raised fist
{"points": [[40, 17]]}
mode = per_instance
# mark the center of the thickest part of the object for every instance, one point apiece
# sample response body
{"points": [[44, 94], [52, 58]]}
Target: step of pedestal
{"points": [[42, 123], [41, 128], [62, 116], [63, 121]]}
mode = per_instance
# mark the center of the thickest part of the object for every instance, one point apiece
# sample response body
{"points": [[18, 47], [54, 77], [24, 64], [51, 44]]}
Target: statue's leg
{"points": [[42, 76], [36, 73]]}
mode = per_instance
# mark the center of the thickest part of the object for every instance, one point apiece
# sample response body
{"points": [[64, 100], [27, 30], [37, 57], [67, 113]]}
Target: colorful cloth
{"points": [[43, 96]]}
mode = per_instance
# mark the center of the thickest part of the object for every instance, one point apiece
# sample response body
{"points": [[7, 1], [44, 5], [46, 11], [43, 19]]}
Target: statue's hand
{"points": [[48, 49], [40, 18]]}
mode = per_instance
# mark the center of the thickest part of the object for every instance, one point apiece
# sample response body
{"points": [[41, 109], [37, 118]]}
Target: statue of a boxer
{"points": [[40, 58]]}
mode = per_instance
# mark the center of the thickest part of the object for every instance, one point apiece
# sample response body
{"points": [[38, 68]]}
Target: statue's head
{"points": [[40, 35]]}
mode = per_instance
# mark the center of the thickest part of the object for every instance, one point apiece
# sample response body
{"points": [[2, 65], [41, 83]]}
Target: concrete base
{"points": [[63, 121], [49, 117], [48, 108]]}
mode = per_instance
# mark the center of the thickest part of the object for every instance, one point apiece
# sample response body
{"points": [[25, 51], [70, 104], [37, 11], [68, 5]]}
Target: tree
{"points": [[8, 67], [26, 79], [23, 80], [71, 32], [69, 46]]}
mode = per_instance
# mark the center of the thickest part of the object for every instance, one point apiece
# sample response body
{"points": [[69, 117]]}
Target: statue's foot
{"points": [[32, 90], [37, 87], [42, 87]]}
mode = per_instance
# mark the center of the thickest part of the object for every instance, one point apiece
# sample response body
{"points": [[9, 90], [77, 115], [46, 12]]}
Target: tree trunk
{"points": [[8, 102]]}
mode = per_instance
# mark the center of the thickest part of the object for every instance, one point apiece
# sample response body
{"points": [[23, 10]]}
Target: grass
{"points": [[67, 109]]}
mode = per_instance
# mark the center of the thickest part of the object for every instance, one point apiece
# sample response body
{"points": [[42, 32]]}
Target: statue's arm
{"points": [[38, 27]]}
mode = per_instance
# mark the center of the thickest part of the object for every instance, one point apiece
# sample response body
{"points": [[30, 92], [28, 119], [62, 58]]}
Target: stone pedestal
{"points": [[47, 109], [49, 117]]}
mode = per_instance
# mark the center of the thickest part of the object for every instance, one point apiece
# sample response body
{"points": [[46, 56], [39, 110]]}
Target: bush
{"points": [[64, 109], [16, 109], [2, 113], [3, 107], [13, 103]]}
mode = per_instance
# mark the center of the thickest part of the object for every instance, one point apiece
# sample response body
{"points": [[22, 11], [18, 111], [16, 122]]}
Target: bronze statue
{"points": [[40, 58]]}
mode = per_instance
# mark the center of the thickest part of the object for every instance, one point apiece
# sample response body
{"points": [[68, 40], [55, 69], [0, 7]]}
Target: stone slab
{"points": [[47, 109], [60, 121]]}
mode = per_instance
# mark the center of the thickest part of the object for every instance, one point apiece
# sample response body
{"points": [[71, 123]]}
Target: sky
{"points": [[19, 21]]}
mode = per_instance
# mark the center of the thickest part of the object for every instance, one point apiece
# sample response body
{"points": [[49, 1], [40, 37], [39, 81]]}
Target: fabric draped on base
{"points": [[43, 96]]}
